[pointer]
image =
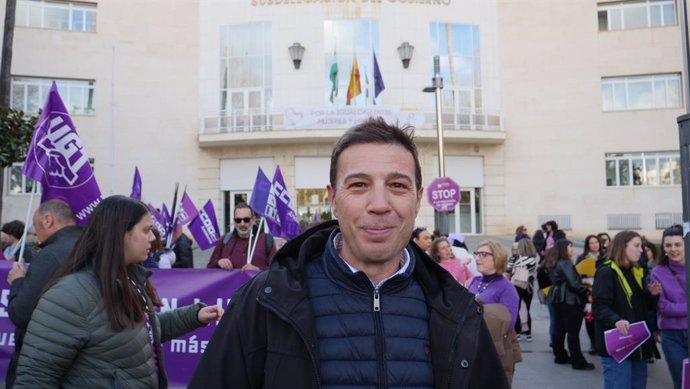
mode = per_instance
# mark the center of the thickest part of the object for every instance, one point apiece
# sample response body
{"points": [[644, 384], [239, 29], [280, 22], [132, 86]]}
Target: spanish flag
{"points": [[354, 89]]}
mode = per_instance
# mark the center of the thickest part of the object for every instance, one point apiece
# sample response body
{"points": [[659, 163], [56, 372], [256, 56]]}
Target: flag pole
{"points": [[172, 224], [27, 224], [252, 247]]}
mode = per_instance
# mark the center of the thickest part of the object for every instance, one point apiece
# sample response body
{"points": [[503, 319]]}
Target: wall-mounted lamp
{"points": [[405, 50], [296, 53]]}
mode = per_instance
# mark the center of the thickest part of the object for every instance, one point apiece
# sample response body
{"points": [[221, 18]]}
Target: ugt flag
{"points": [[289, 224], [56, 159], [204, 227], [136, 185], [263, 202]]}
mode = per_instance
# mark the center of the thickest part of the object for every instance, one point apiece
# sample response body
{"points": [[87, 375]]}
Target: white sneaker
{"points": [[529, 338]]}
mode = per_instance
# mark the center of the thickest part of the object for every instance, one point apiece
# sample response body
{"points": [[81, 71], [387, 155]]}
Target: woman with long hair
{"points": [[441, 252], [95, 326], [672, 311], [619, 299], [592, 252], [524, 264], [568, 297]]}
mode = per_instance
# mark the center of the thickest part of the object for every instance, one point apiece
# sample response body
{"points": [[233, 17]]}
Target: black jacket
{"points": [[267, 339], [25, 291], [184, 257], [610, 304], [566, 286]]}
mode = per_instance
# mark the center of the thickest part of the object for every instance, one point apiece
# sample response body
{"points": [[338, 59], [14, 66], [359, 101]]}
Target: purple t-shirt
{"points": [[496, 289]]}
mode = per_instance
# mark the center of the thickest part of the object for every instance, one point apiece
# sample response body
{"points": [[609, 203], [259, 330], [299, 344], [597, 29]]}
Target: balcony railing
{"points": [[339, 118]]}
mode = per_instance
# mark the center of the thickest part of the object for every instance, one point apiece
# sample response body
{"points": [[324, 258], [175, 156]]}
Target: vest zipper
{"points": [[377, 300], [379, 339]]}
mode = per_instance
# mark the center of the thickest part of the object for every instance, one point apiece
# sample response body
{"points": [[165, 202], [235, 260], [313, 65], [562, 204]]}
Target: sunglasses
{"points": [[239, 220]]}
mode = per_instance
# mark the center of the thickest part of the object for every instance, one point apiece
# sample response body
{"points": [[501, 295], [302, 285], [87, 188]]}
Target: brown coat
{"points": [[498, 320]]}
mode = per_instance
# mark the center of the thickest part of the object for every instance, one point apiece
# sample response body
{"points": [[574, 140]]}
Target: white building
{"points": [[552, 109]]}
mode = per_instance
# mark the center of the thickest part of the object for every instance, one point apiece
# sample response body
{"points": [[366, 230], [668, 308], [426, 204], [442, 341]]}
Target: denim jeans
{"points": [[675, 346], [552, 322], [625, 375]]}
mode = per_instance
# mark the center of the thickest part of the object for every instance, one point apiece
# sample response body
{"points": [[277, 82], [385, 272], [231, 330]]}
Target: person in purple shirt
{"points": [[672, 312], [492, 287]]}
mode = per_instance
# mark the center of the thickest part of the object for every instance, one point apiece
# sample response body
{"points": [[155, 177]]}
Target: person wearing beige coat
{"points": [[500, 326]]}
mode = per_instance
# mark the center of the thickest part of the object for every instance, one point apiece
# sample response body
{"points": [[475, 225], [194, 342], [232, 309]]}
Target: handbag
{"points": [[520, 277]]}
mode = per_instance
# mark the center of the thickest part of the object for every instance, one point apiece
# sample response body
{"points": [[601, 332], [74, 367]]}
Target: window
{"points": [[245, 76], [457, 46], [625, 15], [640, 92], [29, 94], [17, 183], [58, 15], [343, 40], [313, 206], [643, 169]]}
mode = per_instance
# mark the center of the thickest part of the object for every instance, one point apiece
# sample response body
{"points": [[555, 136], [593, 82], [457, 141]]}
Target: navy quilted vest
{"points": [[369, 338]]}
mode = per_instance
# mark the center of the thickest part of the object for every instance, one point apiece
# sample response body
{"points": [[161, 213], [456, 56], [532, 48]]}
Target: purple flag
{"points": [[619, 346], [165, 216], [158, 221], [263, 202], [56, 159], [187, 211], [204, 227], [136, 185], [378, 78], [289, 224]]}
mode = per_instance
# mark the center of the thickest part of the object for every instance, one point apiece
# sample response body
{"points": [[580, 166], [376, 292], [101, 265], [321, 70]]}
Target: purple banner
{"points": [[157, 219], [136, 185], [619, 346], [176, 288], [204, 227], [56, 159], [289, 224]]}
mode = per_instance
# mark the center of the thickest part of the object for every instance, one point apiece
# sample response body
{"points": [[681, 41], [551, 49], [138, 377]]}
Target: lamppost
{"points": [[437, 85]]}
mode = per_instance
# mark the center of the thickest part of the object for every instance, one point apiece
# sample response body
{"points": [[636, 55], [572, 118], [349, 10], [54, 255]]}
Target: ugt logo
{"points": [[59, 152]]}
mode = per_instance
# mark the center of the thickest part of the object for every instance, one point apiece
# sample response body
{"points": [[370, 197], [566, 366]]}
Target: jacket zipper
{"points": [[308, 345], [379, 339]]}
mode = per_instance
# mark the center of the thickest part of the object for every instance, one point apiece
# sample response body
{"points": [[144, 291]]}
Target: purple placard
{"points": [[443, 194], [619, 346], [176, 288]]}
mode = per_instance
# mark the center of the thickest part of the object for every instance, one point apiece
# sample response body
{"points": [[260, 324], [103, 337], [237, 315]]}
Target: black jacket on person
{"points": [[184, 257], [25, 291], [267, 337], [566, 286], [610, 304]]}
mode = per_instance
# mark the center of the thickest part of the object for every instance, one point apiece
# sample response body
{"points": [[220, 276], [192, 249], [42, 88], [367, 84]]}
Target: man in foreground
{"points": [[350, 303]]}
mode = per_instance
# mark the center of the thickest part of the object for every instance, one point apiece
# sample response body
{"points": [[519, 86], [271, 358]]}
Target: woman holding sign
{"points": [[619, 300], [672, 311], [96, 326]]}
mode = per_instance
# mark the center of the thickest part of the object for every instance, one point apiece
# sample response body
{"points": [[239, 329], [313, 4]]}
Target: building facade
{"points": [[550, 110]]}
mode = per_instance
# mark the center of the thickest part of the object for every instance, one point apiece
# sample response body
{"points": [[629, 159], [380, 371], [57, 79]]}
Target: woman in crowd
{"points": [[604, 241], [11, 238], [552, 235], [441, 253], [96, 327], [492, 287], [568, 297], [650, 252], [592, 250], [521, 233], [672, 312], [620, 298], [524, 266], [422, 238]]}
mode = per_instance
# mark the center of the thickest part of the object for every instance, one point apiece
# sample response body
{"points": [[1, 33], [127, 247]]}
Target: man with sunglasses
{"points": [[232, 251], [352, 303]]}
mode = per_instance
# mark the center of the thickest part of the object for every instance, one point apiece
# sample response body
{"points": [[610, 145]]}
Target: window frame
{"points": [[84, 9], [609, 86], [66, 87], [621, 6], [644, 159]]}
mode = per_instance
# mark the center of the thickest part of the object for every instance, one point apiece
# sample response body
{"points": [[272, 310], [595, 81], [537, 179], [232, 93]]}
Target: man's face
{"points": [[376, 202], [243, 222], [42, 233]]}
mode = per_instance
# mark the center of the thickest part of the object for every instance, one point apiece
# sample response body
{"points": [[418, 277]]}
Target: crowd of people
{"points": [[364, 300]]}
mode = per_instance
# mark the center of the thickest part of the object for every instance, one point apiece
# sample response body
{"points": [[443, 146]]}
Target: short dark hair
{"points": [[101, 247], [242, 206], [14, 228], [675, 230], [376, 130], [417, 231], [553, 224]]}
